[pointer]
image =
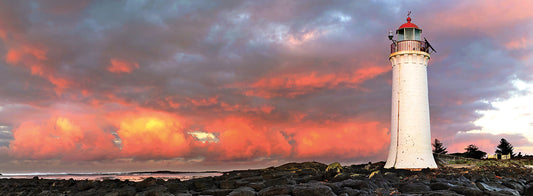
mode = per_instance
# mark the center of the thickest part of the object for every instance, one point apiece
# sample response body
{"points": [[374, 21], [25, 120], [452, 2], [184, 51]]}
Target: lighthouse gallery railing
{"points": [[409, 45]]}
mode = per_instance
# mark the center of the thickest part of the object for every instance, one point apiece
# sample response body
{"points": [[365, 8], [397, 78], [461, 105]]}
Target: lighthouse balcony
{"points": [[406, 45]]}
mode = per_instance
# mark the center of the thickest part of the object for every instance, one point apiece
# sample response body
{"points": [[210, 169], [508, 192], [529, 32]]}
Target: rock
{"points": [[529, 189], [157, 190], [201, 184], [464, 190], [515, 185], [416, 187], [350, 192], [491, 187], [84, 185], [336, 187], [257, 185], [441, 193], [125, 191], [276, 174], [243, 191], [280, 181], [340, 177], [312, 190], [440, 186], [334, 168], [140, 186], [217, 192], [277, 190], [177, 187], [358, 184], [227, 184]]}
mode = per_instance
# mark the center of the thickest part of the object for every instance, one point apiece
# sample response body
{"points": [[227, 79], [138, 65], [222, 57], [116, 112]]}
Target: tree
{"points": [[505, 148], [472, 151], [438, 148]]}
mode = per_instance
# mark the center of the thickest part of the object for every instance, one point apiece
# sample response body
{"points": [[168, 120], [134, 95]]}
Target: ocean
{"points": [[131, 176]]}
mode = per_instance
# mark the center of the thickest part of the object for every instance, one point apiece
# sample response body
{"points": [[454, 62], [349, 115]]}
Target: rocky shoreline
{"points": [[303, 179]]}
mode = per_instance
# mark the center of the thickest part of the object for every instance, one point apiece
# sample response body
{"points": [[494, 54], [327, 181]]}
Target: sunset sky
{"points": [[219, 85]]}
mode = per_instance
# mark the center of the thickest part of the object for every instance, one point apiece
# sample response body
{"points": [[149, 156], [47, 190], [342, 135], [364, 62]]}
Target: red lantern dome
{"points": [[408, 24]]}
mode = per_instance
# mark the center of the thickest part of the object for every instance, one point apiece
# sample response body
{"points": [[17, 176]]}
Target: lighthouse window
{"points": [[417, 34], [400, 35], [409, 34]]}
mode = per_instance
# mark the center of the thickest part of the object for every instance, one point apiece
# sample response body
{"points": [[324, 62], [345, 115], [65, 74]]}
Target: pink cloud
{"points": [[121, 66]]}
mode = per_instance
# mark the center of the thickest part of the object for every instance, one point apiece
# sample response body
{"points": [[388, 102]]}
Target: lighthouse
{"points": [[410, 144]]}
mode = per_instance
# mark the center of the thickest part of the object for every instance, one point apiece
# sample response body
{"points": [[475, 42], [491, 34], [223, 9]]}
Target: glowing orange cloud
{"points": [[121, 66], [335, 139], [61, 137], [151, 134], [298, 84], [240, 138], [35, 58]]}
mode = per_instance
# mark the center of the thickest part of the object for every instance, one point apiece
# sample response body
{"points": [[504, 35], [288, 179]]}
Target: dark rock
{"points": [[465, 190], [350, 192], [253, 179], [217, 192], [335, 187], [227, 184], [280, 181], [256, 185], [277, 174], [157, 190], [440, 186], [441, 193], [333, 169], [277, 190], [529, 189], [201, 184], [184, 194], [491, 187], [416, 187], [243, 191], [125, 191], [312, 190], [84, 185], [177, 187], [340, 177], [358, 184], [515, 185], [148, 182]]}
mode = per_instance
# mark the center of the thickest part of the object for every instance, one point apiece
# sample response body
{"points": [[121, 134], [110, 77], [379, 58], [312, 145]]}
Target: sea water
{"points": [[134, 176]]}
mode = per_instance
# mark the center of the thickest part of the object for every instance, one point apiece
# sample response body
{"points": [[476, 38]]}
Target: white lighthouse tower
{"points": [[410, 145]]}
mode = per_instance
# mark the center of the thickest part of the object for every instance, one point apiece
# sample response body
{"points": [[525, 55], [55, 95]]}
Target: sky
{"points": [[219, 85]]}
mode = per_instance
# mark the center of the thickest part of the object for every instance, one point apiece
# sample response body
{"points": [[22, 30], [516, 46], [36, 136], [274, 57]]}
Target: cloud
{"points": [[303, 83], [340, 140], [61, 138], [121, 66], [147, 134], [243, 139]]}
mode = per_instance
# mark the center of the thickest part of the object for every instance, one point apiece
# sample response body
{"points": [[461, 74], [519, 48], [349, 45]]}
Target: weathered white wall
{"points": [[410, 126]]}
